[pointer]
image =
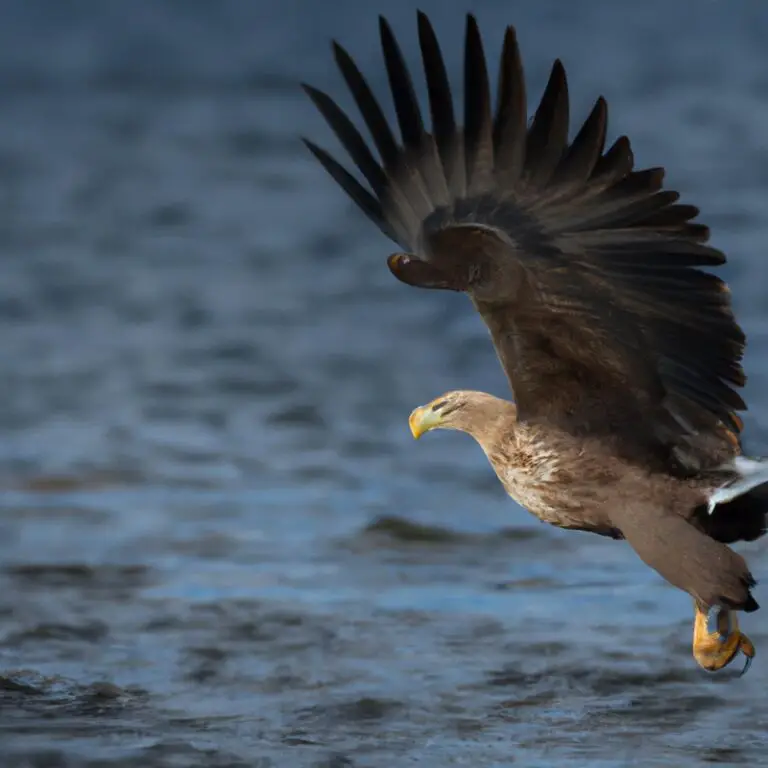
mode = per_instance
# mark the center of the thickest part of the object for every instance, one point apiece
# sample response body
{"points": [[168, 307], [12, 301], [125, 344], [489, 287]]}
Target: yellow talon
{"points": [[716, 650]]}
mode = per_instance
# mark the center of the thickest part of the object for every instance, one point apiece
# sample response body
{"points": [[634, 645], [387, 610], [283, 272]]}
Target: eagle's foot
{"points": [[716, 650]]}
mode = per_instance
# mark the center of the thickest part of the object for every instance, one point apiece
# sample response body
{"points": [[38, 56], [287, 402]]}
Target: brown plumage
{"points": [[623, 355]]}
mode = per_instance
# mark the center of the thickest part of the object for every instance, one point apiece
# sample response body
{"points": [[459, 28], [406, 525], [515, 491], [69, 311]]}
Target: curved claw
{"points": [[748, 649], [747, 664], [715, 650]]}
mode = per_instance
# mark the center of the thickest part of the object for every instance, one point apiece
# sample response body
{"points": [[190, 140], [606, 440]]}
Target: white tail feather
{"points": [[750, 474]]}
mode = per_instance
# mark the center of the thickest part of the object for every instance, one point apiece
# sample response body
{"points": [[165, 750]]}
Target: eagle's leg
{"points": [[716, 650]]}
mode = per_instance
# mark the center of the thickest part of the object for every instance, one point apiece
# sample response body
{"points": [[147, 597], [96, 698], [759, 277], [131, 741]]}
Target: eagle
{"points": [[623, 355]]}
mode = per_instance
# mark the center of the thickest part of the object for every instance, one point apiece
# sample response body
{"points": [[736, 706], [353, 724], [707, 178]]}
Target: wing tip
{"points": [[384, 26], [314, 94]]}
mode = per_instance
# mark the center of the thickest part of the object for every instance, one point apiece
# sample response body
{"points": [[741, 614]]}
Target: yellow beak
{"points": [[423, 419]]}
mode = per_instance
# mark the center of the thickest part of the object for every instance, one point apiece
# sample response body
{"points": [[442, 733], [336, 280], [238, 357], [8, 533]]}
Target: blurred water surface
{"points": [[219, 545]]}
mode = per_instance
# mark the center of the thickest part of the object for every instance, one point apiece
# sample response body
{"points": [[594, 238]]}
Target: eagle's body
{"points": [[582, 483], [566, 481], [623, 355]]}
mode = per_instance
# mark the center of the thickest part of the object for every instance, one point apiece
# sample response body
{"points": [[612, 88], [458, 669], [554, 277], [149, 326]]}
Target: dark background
{"points": [[219, 545]]}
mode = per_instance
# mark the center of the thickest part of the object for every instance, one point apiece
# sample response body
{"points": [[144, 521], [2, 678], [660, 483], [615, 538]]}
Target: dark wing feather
{"points": [[548, 134], [509, 125], [446, 136], [585, 270], [478, 123]]}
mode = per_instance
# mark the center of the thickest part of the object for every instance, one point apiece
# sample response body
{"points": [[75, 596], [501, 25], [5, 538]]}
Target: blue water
{"points": [[219, 545]]}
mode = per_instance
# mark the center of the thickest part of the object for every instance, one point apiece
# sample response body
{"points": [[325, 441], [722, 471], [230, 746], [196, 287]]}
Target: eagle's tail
{"points": [[747, 474]]}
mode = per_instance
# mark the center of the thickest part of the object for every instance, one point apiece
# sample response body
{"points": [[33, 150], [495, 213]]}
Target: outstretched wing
{"points": [[584, 270]]}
